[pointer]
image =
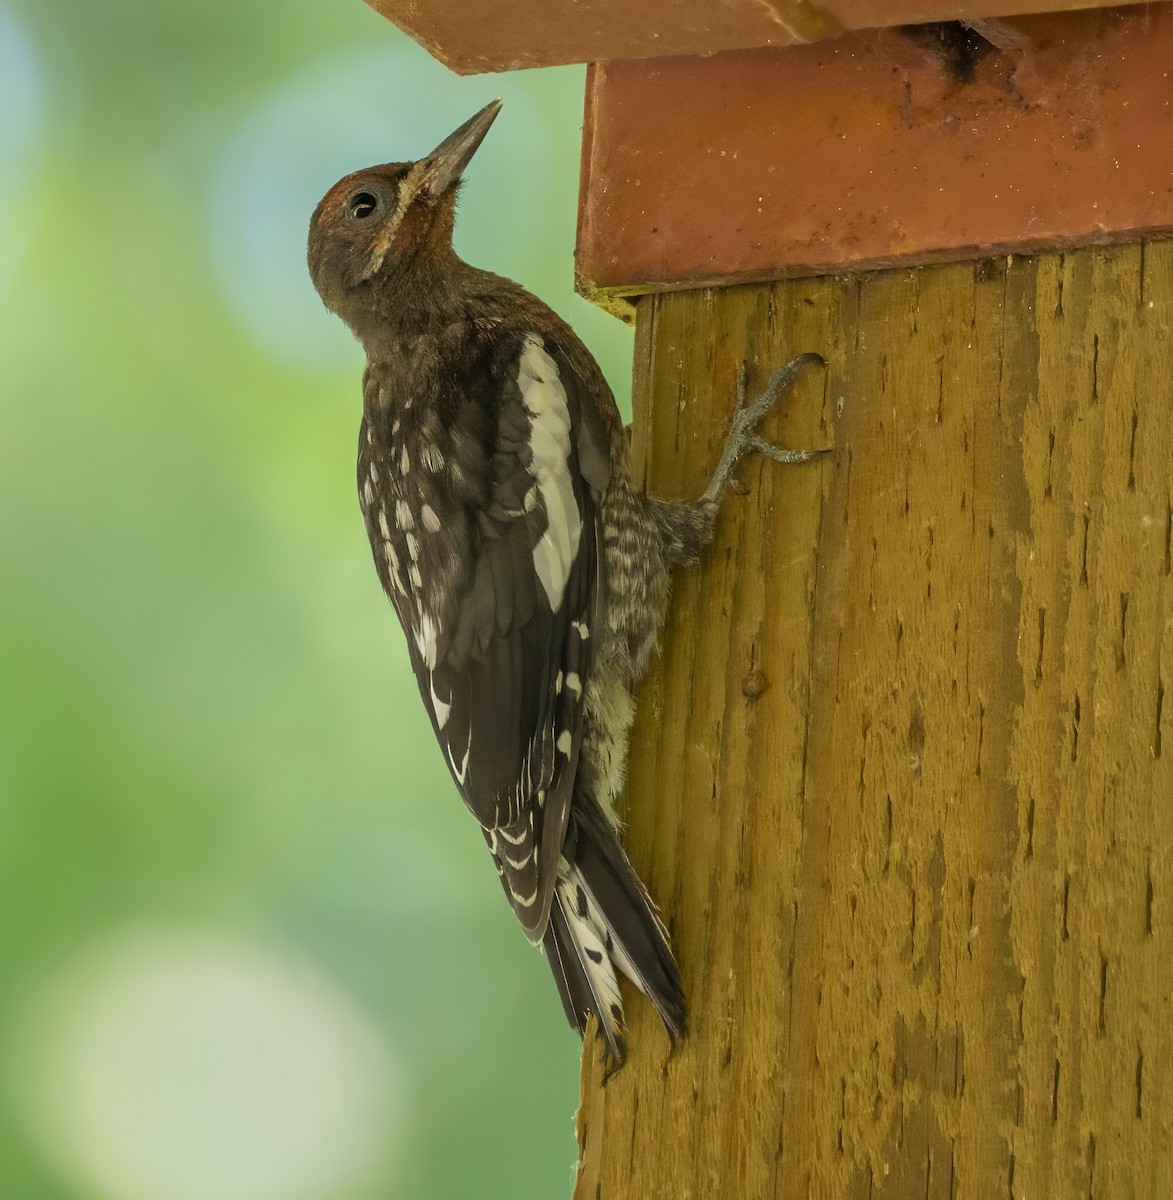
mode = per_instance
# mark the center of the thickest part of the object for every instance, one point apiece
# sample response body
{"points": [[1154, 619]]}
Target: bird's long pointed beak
{"points": [[445, 165]]}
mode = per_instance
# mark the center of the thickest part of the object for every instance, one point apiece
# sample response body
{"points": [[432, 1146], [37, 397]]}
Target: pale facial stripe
{"points": [[407, 191]]}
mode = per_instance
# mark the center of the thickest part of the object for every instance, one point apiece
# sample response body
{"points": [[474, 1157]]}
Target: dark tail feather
{"points": [[602, 919]]}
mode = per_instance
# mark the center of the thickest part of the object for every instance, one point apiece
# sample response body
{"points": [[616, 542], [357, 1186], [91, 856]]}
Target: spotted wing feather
{"points": [[499, 623]]}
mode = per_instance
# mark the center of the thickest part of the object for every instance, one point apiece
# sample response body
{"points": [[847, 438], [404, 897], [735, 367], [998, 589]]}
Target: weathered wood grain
{"points": [[921, 883]]}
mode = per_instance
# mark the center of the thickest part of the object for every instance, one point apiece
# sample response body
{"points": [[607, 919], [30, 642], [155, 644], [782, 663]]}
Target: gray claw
{"points": [[780, 453], [742, 388], [743, 436]]}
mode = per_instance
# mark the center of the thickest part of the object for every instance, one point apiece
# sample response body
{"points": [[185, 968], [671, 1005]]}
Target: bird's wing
{"points": [[504, 663]]}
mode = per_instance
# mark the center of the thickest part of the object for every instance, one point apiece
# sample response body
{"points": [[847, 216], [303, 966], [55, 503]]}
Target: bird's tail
{"points": [[602, 919]]}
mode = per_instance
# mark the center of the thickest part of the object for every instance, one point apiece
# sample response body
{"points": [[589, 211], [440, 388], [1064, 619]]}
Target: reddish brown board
{"points": [[873, 149], [472, 36]]}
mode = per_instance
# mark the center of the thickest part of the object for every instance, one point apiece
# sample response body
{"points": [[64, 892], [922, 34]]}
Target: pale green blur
{"points": [[231, 860]]}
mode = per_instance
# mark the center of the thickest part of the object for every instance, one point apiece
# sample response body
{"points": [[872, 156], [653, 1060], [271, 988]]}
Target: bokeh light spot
{"points": [[321, 126], [20, 98], [21, 106], [193, 1066]]}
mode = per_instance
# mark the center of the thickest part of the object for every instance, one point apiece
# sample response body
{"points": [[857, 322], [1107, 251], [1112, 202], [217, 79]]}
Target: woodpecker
{"points": [[530, 576]]}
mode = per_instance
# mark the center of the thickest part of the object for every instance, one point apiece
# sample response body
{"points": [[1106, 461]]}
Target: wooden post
{"points": [[901, 775]]}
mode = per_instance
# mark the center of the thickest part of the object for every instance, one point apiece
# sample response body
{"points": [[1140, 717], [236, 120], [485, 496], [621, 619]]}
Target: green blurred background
{"points": [[252, 946]]}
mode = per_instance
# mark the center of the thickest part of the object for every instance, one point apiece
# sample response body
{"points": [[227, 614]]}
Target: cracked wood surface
{"points": [[900, 777]]}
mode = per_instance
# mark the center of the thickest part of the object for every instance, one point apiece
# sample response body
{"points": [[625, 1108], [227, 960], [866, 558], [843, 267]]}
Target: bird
{"points": [[529, 574]]}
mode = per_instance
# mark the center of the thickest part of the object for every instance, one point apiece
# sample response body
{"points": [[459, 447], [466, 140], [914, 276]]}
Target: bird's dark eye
{"points": [[363, 205]]}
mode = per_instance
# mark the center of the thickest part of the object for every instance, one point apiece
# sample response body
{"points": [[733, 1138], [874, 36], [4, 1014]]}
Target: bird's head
{"points": [[374, 225]]}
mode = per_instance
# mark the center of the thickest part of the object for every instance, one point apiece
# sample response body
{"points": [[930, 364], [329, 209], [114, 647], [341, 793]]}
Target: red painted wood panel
{"points": [[472, 36], [872, 149]]}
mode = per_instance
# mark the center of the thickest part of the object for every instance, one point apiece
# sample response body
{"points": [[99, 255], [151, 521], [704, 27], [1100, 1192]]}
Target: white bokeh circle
{"points": [[186, 1065]]}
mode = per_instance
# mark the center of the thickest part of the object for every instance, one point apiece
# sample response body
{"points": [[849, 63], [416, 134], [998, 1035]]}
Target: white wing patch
{"points": [[544, 398], [461, 772], [438, 706], [425, 638]]}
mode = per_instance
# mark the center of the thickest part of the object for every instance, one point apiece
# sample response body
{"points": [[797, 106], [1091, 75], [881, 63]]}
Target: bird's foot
{"points": [[743, 436]]}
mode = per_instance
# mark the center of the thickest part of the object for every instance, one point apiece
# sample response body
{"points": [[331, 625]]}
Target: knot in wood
{"points": [[754, 685]]}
